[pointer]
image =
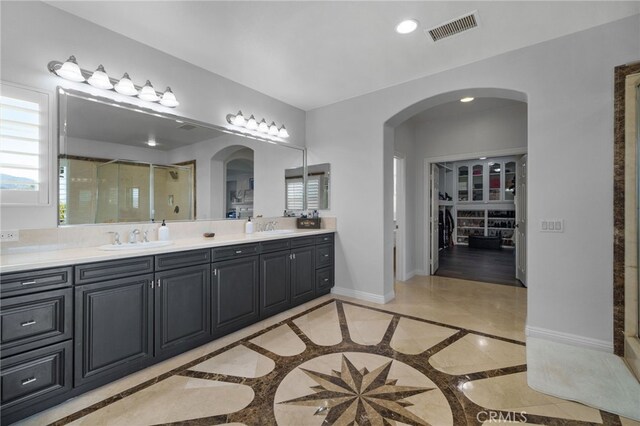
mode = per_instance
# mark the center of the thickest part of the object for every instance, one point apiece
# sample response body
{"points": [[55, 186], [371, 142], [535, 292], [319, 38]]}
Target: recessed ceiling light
{"points": [[467, 99], [482, 158], [151, 142], [407, 26]]}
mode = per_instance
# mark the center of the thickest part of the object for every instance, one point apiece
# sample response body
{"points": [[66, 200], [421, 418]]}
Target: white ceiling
{"points": [[456, 109], [314, 53]]}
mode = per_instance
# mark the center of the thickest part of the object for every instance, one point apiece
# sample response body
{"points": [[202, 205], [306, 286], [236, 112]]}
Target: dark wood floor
{"points": [[492, 266]]}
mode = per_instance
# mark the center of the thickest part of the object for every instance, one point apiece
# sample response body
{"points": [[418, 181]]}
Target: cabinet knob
{"points": [[29, 380], [326, 279], [28, 323], [238, 251], [325, 255]]}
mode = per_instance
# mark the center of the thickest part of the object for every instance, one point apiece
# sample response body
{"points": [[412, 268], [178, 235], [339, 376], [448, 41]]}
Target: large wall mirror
{"points": [[318, 187], [120, 163]]}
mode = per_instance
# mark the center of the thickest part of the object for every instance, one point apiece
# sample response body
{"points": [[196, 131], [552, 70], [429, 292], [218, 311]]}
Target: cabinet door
{"points": [[113, 328], [235, 294], [275, 282], [182, 300], [303, 274]]}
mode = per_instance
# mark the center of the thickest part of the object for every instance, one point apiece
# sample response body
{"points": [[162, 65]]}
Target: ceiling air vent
{"points": [[454, 27], [187, 127]]}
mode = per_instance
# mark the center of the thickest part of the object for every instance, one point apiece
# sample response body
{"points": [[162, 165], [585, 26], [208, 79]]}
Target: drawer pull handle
{"points": [[238, 251], [28, 323], [325, 255], [27, 381], [326, 279], [29, 282]]}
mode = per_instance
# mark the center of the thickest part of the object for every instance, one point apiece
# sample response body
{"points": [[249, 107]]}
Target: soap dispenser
{"points": [[163, 232], [248, 227]]}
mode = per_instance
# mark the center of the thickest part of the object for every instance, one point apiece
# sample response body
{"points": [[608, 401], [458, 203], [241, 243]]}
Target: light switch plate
{"points": [[552, 225]]}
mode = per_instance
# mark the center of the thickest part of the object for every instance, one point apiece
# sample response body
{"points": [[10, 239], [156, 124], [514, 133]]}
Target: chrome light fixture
{"points": [[252, 124], [282, 132], [70, 70], [261, 129], [100, 79], [169, 99], [148, 93], [125, 86]]}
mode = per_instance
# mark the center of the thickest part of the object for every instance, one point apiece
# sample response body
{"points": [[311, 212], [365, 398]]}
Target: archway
{"points": [[415, 245]]}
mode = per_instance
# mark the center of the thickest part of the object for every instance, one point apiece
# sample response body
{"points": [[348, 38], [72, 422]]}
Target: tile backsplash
{"points": [[96, 235]]}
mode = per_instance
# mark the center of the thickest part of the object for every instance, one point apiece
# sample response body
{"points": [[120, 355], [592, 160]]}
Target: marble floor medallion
{"points": [[325, 366]]}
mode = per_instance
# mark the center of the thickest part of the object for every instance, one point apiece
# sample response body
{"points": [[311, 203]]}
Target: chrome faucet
{"points": [[116, 238], [132, 236]]}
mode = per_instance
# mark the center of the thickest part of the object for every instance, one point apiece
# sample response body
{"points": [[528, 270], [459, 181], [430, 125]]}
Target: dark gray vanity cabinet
{"points": [[234, 292], [36, 316], [113, 328], [303, 274], [182, 309], [275, 282]]}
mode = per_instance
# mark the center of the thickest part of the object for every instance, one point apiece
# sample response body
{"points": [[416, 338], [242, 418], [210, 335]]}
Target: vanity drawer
{"points": [[324, 255], [231, 252], [324, 280], [180, 259], [35, 320], [34, 376], [303, 241], [14, 284], [324, 239], [277, 245], [101, 271]]}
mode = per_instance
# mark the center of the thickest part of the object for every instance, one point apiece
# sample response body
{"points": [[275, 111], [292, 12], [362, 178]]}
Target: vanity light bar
{"points": [[238, 120], [70, 70]]}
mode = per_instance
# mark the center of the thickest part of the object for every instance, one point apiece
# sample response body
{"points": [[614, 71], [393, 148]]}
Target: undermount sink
{"points": [[277, 232], [135, 246]]}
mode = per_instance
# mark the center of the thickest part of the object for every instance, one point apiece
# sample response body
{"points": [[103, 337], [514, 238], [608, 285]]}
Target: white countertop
{"points": [[64, 257]]}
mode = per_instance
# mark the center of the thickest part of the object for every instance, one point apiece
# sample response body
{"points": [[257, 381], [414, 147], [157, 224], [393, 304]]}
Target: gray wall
{"points": [[34, 33], [568, 85]]}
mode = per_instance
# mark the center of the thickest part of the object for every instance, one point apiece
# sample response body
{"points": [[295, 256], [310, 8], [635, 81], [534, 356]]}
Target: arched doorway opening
{"points": [[441, 132], [232, 182]]}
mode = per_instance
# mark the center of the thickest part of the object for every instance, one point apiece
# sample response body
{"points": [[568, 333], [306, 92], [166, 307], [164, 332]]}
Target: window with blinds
{"points": [[24, 145], [295, 194]]}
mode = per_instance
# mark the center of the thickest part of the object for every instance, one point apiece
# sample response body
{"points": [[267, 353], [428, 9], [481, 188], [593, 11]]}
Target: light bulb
{"points": [[148, 93], [273, 129], [467, 99], [283, 132], [100, 79], [263, 126], [125, 86], [169, 99], [70, 70], [252, 124], [407, 26], [239, 120]]}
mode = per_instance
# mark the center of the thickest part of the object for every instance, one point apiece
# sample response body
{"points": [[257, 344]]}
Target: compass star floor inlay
{"points": [[342, 363]]}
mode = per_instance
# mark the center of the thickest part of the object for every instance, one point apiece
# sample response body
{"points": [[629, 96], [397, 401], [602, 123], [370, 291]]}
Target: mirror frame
{"points": [[62, 93]]}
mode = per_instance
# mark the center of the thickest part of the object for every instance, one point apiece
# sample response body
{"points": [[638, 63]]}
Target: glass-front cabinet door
{"points": [[478, 182], [509, 180], [463, 183], [495, 181]]}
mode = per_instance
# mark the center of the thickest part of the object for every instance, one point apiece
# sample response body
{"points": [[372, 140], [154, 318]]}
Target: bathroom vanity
{"points": [[71, 327]]}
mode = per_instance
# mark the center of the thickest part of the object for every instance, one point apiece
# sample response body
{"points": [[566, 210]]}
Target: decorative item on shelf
{"points": [[261, 128], [308, 222], [70, 70]]}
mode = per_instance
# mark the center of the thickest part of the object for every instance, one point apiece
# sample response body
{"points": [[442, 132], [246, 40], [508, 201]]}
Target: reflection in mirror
{"points": [[318, 187], [120, 163], [239, 178], [509, 180]]}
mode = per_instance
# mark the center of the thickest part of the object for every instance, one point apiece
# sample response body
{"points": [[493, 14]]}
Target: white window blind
{"points": [[24, 145], [313, 193], [295, 193]]}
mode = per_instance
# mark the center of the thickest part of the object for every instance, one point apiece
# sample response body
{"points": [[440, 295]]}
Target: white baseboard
{"points": [[363, 295], [569, 339]]}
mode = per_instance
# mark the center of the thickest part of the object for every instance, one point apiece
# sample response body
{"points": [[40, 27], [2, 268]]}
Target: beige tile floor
{"points": [[467, 322]]}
